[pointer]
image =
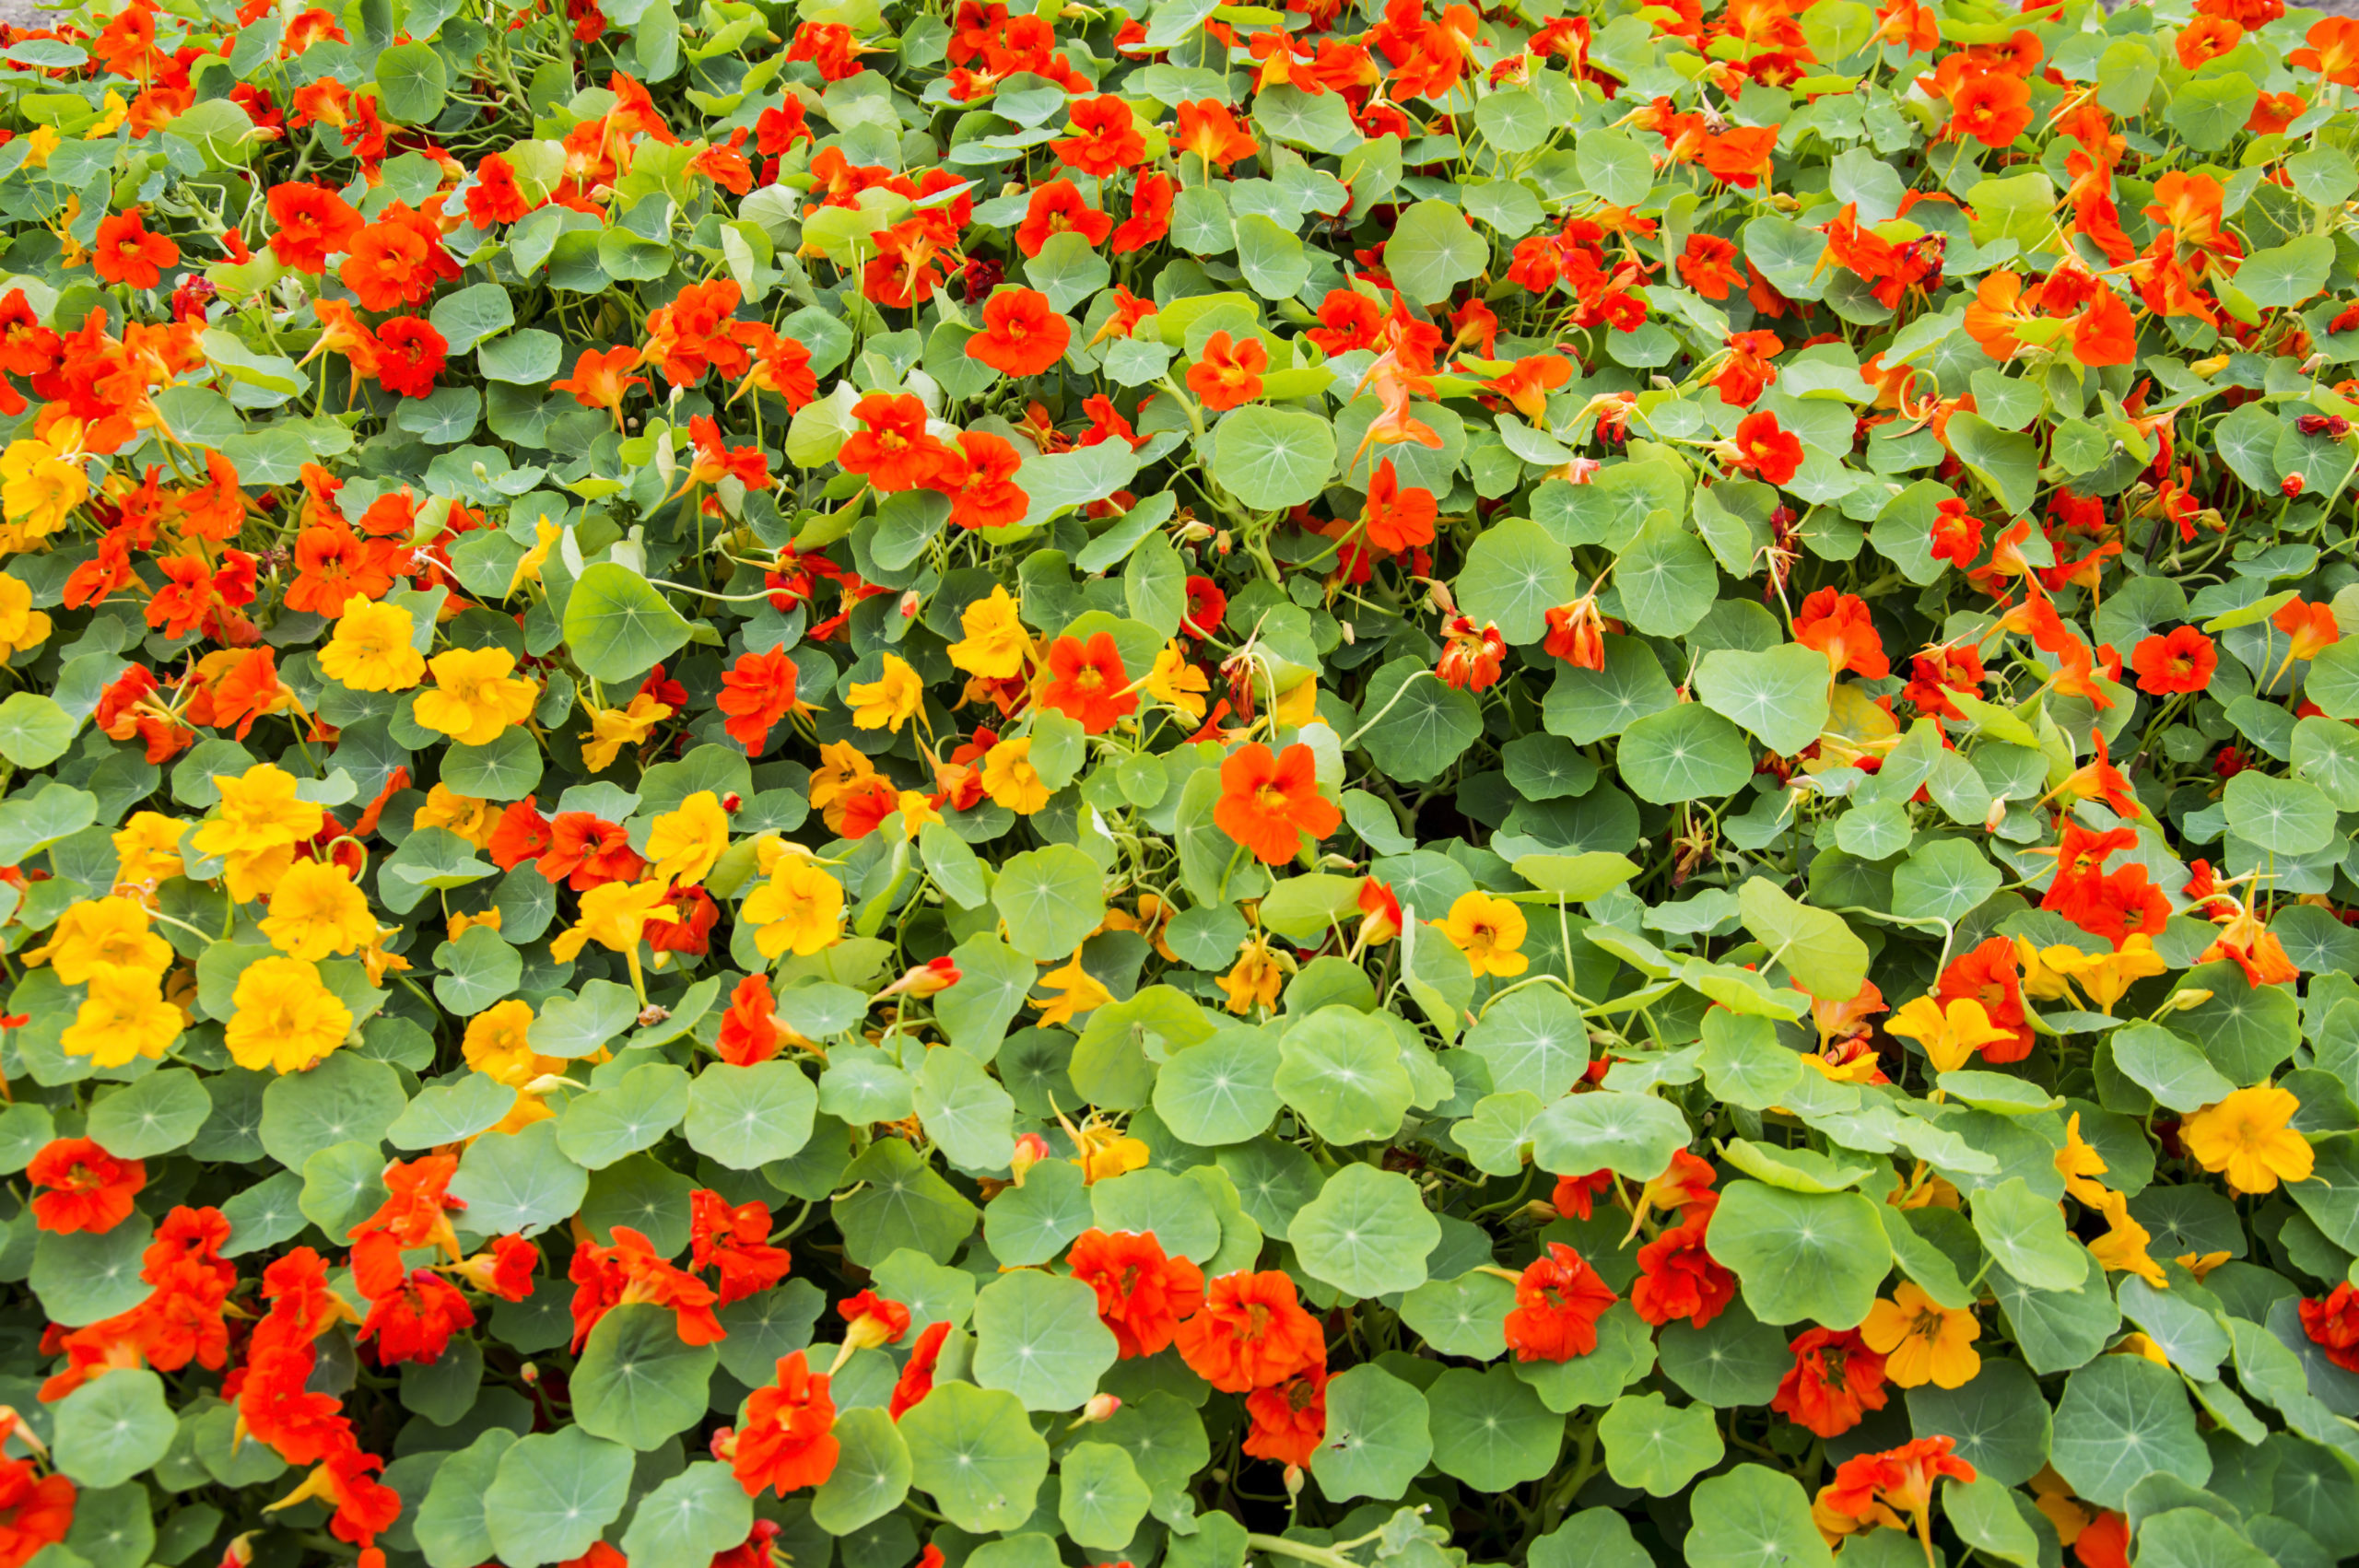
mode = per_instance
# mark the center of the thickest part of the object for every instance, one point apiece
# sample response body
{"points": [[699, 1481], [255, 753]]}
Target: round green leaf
{"points": [[1378, 1437], [2000, 1419], [1176, 1212], [1687, 753], [1034, 1223], [1801, 1257], [637, 1383], [1367, 1233], [517, 1182], [1344, 1077], [1754, 1517], [1432, 250], [1465, 1316], [412, 83], [1514, 573], [746, 1117], [1778, 696], [1656, 1448], [1491, 1431], [86, 1276], [1051, 898], [619, 627], [2122, 1418], [1272, 458], [554, 1494], [1416, 724], [2025, 1235], [893, 1199], [871, 1474], [1220, 1091], [974, 1450], [155, 1116], [964, 1111], [2284, 816], [1632, 1135], [1100, 1497], [1733, 1359], [1038, 1337], [34, 731], [631, 1113], [114, 1428], [695, 1515], [1667, 580], [345, 1099], [1533, 1041]]}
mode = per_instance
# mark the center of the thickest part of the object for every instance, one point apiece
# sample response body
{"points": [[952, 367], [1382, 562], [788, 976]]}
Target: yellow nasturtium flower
{"points": [[1488, 931], [996, 644], [477, 696], [1922, 1341], [2248, 1139], [21, 625], [315, 912], [101, 933], [686, 841], [124, 1017], [800, 909], [612, 729], [254, 834], [891, 700], [283, 1018], [374, 648]]}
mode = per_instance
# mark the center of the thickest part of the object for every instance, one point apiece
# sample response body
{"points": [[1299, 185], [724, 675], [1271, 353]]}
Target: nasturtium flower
{"points": [[1949, 1034], [612, 729], [1251, 1333], [1258, 976], [1074, 990], [22, 628], [1289, 1419], [1834, 1382], [147, 850], [995, 645], [799, 909], [1922, 1341], [1143, 1293], [81, 1188], [495, 1045], [1269, 799], [373, 647], [1488, 931], [615, 915], [124, 1016], [1558, 1299], [2248, 1139], [1086, 682], [102, 933], [686, 841], [786, 1442], [891, 700], [2122, 1249], [283, 1018], [1011, 780], [477, 696], [316, 912]]}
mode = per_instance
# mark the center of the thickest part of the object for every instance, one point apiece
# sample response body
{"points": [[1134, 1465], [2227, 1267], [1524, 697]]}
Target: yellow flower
{"points": [[917, 810], [147, 850], [611, 728], [259, 823], [2200, 1264], [475, 695], [496, 1045], [461, 924], [1077, 991], [2106, 975], [115, 113], [283, 1018], [40, 486], [2042, 979], [42, 141], [472, 819], [1488, 931], [528, 567], [2081, 1167], [1010, 779], [1256, 977], [996, 643], [2135, 1344], [1921, 1341], [1177, 684], [373, 649], [316, 911], [889, 701], [1296, 707], [1950, 1035], [2246, 1137], [102, 933], [615, 915], [800, 909], [686, 841], [1106, 1150], [21, 625], [124, 1017], [2122, 1249]]}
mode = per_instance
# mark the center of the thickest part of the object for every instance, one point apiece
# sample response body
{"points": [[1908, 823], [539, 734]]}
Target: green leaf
{"points": [[2168, 1067], [2284, 816], [1667, 580], [2026, 1236], [619, 627], [2000, 1419], [554, 1494], [518, 1182], [871, 1474], [1100, 1497], [1272, 458], [155, 1116], [1615, 166], [1818, 949], [2198, 1537], [412, 83], [1632, 1135], [34, 731], [1220, 1091], [631, 1113], [637, 1384], [1779, 696], [1946, 880], [2005, 460], [1038, 1337], [1431, 252], [1378, 1437], [2285, 276], [1801, 1257], [1051, 898], [114, 1428], [743, 1118], [1514, 573], [1415, 724], [1732, 1361], [693, 1517], [1655, 1448], [1464, 1317], [1344, 1079], [976, 1453], [1533, 1040], [1687, 753], [964, 1111], [2122, 1418], [1754, 1517], [451, 1527], [893, 1199], [1367, 1233], [1491, 1431]]}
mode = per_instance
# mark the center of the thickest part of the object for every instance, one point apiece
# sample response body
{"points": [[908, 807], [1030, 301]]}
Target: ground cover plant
{"points": [[987, 787]]}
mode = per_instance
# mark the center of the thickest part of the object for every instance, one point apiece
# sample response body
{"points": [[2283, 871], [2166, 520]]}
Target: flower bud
{"points": [[2293, 485], [2187, 998], [1031, 1150], [1101, 1407]]}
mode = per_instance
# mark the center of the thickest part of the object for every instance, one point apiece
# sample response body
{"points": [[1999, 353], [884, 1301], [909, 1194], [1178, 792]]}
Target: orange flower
{"points": [[1023, 334], [1678, 1278], [1558, 1299], [2333, 50], [632, 1271], [1211, 133], [1741, 158], [1106, 139], [757, 691], [2205, 39], [603, 380], [1527, 385], [1835, 1381], [1268, 802], [88, 1189], [1290, 1420], [1879, 1489], [894, 451], [917, 1377], [2105, 334], [1836, 625], [1396, 519], [126, 252], [1058, 208], [314, 223], [1142, 1293], [1992, 107], [1708, 266], [1251, 1333], [1228, 372], [35, 1510], [2310, 628], [734, 1240], [988, 496], [1086, 681], [1764, 448], [786, 1442]]}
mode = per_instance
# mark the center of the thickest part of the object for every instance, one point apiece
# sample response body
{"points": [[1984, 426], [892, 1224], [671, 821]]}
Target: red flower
{"points": [[1678, 1279], [1268, 802], [1764, 448], [749, 1031], [35, 1511], [1108, 139], [410, 355], [894, 451], [1142, 1293], [314, 223], [734, 1241], [521, 833], [1086, 681], [412, 1315], [1576, 1197], [126, 252], [586, 851], [756, 692], [917, 1377], [1835, 1381], [88, 1189], [1397, 520], [632, 1271], [1207, 129], [2332, 1325], [1228, 373], [1836, 625], [495, 197], [1991, 106], [2181, 661], [397, 259], [1150, 219], [1956, 535], [1057, 208], [1708, 266], [870, 1320], [1207, 605], [2104, 1542], [1558, 1299], [1023, 334], [988, 496], [1989, 975], [1251, 1333], [1289, 1419], [785, 1442]]}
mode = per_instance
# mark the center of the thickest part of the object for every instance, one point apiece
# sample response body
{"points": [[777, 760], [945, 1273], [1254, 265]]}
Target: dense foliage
{"points": [[829, 783]]}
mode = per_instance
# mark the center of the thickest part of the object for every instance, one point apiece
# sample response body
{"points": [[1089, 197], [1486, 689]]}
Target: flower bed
{"points": [[839, 784]]}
